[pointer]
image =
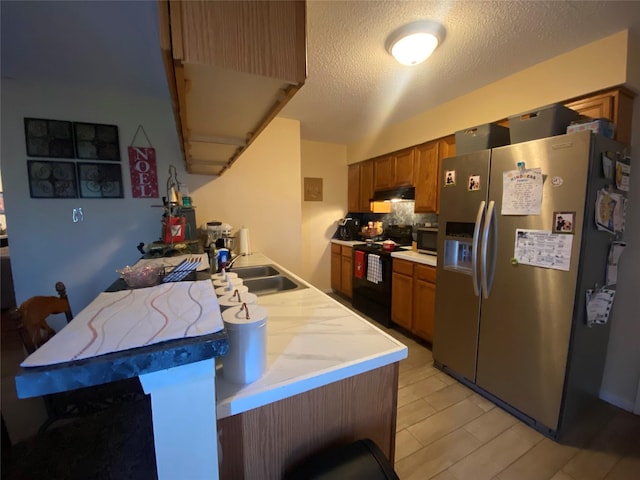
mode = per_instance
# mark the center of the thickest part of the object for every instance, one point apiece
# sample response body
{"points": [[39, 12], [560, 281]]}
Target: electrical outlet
{"points": [[77, 215]]}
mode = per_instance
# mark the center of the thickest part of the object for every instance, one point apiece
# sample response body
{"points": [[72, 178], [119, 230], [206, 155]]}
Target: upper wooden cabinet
{"points": [[395, 170], [360, 189], [427, 172], [360, 186], [231, 67], [615, 105]]}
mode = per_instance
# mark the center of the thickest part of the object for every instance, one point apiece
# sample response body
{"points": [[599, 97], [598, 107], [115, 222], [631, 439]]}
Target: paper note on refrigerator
{"points": [[615, 252], [623, 171], [599, 305], [541, 248], [522, 192]]}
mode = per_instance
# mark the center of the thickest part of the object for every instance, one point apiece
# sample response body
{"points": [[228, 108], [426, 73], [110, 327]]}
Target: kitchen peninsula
{"points": [[331, 378]]}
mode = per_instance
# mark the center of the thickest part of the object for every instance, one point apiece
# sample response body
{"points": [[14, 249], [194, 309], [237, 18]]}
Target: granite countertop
{"points": [[312, 341], [37, 381]]}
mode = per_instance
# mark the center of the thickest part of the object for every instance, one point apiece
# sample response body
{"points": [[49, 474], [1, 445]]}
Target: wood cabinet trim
{"points": [[425, 272], [403, 267]]}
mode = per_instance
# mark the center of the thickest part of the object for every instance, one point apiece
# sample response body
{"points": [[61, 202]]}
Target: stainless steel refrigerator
{"points": [[517, 333]]}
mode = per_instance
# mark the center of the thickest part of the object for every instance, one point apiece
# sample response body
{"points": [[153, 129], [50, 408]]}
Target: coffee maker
{"points": [[348, 228]]}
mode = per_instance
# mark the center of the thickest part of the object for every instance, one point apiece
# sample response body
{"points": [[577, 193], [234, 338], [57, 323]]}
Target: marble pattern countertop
{"points": [[347, 243], [312, 341], [417, 257]]}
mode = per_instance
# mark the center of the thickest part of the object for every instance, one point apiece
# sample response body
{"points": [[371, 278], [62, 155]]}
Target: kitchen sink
{"points": [[273, 284], [255, 271]]}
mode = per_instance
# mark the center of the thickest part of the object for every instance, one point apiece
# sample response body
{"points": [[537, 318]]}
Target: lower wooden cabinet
{"points": [[413, 296], [341, 269], [424, 301], [402, 293]]}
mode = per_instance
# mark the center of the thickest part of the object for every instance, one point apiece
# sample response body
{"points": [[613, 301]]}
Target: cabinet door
{"points": [[383, 173], [346, 273], [336, 271], [366, 185], [615, 105], [353, 188], [401, 299], [446, 148], [426, 178], [404, 165], [272, 43], [424, 304], [424, 298], [600, 106]]}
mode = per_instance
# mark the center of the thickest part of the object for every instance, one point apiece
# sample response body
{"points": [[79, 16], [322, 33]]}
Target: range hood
{"points": [[394, 195]]}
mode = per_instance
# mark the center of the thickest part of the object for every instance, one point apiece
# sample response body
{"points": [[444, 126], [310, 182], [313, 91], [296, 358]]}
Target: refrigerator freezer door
{"points": [[457, 307], [525, 324]]}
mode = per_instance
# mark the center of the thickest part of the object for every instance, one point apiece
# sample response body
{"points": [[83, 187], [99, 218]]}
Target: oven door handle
{"points": [[474, 252]]}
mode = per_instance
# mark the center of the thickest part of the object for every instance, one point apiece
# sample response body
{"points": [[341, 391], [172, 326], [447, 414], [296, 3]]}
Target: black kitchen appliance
{"points": [[348, 228], [371, 294]]}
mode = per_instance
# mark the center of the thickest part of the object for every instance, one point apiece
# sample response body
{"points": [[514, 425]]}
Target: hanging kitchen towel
{"points": [[374, 268], [359, 267]]}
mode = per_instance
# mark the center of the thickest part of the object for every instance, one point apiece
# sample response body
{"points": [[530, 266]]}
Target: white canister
{"points": [[221, 282], [224, 275], [236, 299], [228, 288], [246, 328]]}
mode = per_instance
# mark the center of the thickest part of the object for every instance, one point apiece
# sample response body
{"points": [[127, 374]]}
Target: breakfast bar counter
{"points": [[331, 378]]}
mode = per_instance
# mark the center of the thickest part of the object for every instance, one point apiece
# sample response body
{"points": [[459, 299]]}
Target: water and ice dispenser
{"points": [[458, 247]]}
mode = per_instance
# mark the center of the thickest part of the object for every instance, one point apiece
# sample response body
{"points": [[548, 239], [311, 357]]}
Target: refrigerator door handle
{"points": [[474, 250], [488, 274]]}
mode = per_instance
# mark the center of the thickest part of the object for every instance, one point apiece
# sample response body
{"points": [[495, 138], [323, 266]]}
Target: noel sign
{"points": [[143, 169]]}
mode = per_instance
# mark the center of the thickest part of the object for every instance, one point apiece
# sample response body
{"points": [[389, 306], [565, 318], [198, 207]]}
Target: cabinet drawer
{"points": [[335, 248], [403, 266], [346, 251], [426, 273]]}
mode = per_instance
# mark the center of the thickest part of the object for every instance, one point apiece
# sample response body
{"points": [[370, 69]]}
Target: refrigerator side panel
{"points": [[525, 324], [588, 347], [457, 307]]}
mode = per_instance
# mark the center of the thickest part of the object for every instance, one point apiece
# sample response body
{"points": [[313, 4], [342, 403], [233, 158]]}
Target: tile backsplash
{"points": [[401, 214]]}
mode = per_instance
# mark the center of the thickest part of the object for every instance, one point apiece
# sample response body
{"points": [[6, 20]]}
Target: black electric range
{"points": [[371, 294]]}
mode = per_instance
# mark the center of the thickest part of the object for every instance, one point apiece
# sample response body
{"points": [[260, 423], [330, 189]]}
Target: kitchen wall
{"points": [[593, 67], [329, 162], [45, 245], [261, 192], [621, 383]]}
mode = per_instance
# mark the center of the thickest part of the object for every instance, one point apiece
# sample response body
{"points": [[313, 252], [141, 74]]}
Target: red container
{"points": [[173, 229]]}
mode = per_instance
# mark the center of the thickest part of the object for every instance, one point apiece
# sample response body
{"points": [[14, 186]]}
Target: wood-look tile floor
{"points": [[445, 431]]}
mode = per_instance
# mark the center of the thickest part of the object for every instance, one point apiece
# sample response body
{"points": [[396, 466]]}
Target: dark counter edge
{"points": [[37, 381]]}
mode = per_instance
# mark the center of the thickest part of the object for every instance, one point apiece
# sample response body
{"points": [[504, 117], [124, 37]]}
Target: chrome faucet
{"points": [[233, 260]]}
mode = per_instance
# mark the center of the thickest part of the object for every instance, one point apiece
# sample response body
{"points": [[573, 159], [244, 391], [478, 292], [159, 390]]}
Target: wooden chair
{"points": [[31, 318]]}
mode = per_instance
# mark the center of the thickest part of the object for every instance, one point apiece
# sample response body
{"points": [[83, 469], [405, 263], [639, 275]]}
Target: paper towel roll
{"points": [[245, 248]]}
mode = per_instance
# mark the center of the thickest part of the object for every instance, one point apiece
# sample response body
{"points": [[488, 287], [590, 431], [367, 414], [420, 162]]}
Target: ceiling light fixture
{"points": [[413, 43]]}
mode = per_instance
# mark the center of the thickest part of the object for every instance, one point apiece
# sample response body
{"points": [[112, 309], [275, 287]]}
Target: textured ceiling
{"points": [[353, 87]]}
